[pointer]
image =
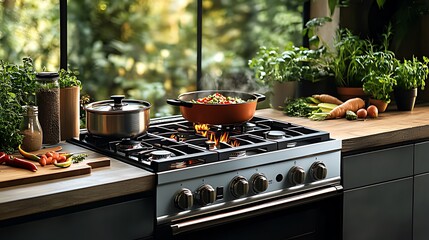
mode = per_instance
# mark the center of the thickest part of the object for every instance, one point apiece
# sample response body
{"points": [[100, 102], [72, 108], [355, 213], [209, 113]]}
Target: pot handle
{"points": [[259, 97], [117, 102], [177, 102]]}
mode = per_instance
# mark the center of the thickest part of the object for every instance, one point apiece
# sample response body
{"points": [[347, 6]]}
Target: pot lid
{"points": [[118, 105]]}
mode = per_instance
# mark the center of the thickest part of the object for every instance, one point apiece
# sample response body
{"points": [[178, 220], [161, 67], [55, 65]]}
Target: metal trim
{"points": [[252, 211]]}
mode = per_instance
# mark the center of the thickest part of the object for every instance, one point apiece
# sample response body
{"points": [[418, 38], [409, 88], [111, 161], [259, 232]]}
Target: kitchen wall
{"points": [[327, 32], [365, 18]]}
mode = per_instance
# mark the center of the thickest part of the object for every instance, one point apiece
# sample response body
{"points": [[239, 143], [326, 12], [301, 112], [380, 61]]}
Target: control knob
{"points": [[205, 195], [296, 175], [239, 186], [184, 199], [259, 183], [318, 171]]}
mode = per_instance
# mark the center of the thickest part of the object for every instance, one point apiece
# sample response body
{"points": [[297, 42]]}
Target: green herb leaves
{"points": [[17, 88], [68, 78]]}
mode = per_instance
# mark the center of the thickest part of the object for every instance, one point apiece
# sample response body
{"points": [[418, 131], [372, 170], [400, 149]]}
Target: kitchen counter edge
{"points": [[117, 180]]}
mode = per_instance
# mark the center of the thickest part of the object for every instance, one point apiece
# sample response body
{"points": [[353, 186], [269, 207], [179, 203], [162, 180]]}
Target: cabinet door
{"points": [[421, 207], [421, 158], [381, 211], [377, 166], [133, 219]]}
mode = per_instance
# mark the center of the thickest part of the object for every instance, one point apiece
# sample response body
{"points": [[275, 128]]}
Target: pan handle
{"points": [[178, 102], [259, 97]]}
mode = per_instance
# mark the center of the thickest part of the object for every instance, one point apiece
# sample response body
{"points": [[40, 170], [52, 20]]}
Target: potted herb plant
{"points": [[70, 87], [379, 79], [291, 73], [316, 75], [279, 70], [410, 75], [346, 65], [379, 68], [18, 89]]}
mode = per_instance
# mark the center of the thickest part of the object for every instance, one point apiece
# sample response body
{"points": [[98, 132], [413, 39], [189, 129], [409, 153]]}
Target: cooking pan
{"points": [[118, 118], [217, 114]]}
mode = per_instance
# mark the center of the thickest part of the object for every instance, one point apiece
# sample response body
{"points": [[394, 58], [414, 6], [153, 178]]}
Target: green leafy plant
{"points": [[379, 67], [379, 79], [412, 73], [311, 29], [379, 86], [272, 65], [314, 64], [68, 78], [18, 87], [294, 64], [346, 64]]}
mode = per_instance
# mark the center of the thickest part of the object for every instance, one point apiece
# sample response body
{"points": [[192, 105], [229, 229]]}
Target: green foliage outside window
{"points": [[147, 49]]}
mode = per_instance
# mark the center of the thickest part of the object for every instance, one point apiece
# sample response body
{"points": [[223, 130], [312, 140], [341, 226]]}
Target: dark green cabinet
{"points": [[421, 207], [132, 219], [421, 192], [381, 211], [378, 194]]}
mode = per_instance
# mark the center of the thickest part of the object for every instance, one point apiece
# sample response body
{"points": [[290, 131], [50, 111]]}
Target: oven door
{"points": [[310, 215]]}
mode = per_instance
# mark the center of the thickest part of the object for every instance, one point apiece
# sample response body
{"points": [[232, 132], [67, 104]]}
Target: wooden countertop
{"points": [[118, 179], [390, 127]]}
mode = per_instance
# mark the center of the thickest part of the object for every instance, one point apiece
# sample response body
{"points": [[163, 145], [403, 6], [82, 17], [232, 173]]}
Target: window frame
{"points": [[63, 35]]}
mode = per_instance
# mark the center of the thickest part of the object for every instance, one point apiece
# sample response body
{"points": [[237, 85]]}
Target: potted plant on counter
{"points": [[346, 64], [379, 68], [294, 72], [410, 75], [379, 80], [279, 70], [70, 88], [316, 75]]}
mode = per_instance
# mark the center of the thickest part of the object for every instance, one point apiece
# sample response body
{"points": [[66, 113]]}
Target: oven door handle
{"points": [[256, 210]]}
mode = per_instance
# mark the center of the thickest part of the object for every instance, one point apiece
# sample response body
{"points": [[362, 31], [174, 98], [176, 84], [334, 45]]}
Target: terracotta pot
{"points": [[380, 104], [283, 92], [69, 112], [405, 99], [346, 93]]}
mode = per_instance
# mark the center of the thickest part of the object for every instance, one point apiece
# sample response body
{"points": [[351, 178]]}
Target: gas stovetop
{"points": [[203, 169], [174, 143]]}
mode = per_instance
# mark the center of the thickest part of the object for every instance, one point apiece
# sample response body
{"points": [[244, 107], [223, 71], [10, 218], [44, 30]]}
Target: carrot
{"points": [[326, 98], [353, 105]]}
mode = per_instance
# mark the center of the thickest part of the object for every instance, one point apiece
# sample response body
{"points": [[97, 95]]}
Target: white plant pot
{"points": [[283, 92]]}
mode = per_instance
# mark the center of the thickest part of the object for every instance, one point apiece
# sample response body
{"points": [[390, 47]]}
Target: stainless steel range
{"points": [[210, 175]]}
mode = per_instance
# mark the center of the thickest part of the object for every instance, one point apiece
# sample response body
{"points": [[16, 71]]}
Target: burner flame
{"points": [[224, 137], [204, 130]]}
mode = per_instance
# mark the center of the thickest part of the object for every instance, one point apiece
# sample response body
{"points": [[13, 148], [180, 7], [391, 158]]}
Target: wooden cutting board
{"points": [[11, 176]]}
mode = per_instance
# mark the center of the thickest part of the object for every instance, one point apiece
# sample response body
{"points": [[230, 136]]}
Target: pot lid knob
{"points": [[117, 101]]}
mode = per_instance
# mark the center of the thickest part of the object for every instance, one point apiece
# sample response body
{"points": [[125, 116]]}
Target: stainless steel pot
{"points": [[118, 117]]}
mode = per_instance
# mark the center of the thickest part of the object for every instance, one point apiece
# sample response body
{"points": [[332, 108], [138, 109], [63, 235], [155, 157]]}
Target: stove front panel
{"points": [[244, 181]]}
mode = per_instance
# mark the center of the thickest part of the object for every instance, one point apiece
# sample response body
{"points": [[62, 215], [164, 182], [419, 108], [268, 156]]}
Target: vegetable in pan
{"points": [[218, 98]]}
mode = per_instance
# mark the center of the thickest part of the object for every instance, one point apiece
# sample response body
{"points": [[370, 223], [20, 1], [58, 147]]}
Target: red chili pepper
{"points": [[2, 155], [17, 162]]}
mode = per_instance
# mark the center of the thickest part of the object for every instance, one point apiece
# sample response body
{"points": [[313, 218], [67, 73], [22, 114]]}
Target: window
{"points": [[30, 28], [150, 50], [233, 31]]}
